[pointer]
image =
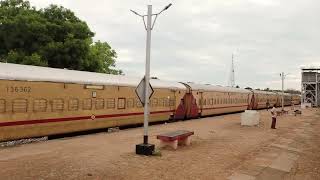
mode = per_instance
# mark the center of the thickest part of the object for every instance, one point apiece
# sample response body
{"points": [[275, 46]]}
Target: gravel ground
{"points": [[220, 149]]}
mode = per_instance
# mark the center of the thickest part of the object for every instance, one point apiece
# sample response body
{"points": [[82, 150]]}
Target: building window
{"points": [[73, 105], [40, 105], [87, 104], [2, 105], [20, 105], [57, 105], [121, 103], [99, 103], [111, 103]]}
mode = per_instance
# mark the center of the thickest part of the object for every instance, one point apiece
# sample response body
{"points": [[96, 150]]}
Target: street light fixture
{"points": [[146, 148]]}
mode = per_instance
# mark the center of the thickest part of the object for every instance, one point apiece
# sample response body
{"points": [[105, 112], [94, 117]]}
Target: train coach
{"points": [[40, 101]]}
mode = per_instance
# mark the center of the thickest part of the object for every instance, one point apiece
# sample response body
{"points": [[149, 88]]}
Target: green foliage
{"points": [[52, 37], [101, 55]]}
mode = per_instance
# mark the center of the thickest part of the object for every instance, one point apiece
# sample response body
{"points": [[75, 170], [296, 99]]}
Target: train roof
{"points": [[10, 71], [264, 92], [205, 87]]}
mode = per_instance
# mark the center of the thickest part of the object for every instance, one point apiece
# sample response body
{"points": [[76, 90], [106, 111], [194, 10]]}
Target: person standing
{"points": [[274, 117], [268, 105]]}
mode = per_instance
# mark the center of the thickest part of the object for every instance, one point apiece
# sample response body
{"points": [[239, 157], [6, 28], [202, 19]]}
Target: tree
{"points": [[101, 55], [52, 37]]}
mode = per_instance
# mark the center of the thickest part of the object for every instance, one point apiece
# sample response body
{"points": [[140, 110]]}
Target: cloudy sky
{"points": [[194, 40]]}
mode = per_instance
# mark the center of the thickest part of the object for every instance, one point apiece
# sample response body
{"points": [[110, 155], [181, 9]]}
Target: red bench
{"points": [[172, 139]]}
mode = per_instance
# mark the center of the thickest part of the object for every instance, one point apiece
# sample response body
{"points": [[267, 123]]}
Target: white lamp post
{"points": [[146, 148]]}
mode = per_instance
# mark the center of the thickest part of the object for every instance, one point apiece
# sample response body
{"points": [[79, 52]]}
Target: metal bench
{"points": [[175, 138]]}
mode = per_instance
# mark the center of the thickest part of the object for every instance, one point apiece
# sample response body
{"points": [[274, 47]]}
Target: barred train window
{"points": [[2, 105], [160, 103], [154, 102], [166, 102], [172, 102], [73, 104], [99, 103], [20, 105], [121, 103], [111, 103], [87, 104], [57, 105], [138, 103], [130, 103], [210, 101], [40, 105]]}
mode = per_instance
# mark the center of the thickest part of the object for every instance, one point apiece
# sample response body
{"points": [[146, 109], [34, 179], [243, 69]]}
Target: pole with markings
{"points": [[147, 76], [145, 148]]}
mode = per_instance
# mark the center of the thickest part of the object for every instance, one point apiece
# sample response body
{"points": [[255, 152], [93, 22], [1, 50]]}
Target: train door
{"points": [[187, 107], [200, 103], [172, 105], [251, 100]]}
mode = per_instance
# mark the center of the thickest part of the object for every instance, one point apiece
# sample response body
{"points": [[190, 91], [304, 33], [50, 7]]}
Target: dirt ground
{"points": [[221, 149]]}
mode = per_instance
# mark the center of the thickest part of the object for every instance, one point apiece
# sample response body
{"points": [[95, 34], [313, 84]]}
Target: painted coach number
{"points": [[18, 89]]}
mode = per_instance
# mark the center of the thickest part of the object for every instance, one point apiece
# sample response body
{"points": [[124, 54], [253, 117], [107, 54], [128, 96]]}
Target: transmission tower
{"points": [[232, 79]]}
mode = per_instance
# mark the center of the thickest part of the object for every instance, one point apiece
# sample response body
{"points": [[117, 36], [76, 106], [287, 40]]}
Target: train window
{"points": [[40, 105], [2, 105], [57, 105], [130, 103], [172, 102], [166, 102], [87, 104], [121, 103], [73, 104], [210, 101], [138, 103], [99, 103], [154, 102], [161, 101], [20, 105], [111, 103]]}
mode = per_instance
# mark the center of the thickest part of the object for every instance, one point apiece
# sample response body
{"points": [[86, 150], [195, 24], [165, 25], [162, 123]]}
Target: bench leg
{"points": [[186, 141], [173, 144]]}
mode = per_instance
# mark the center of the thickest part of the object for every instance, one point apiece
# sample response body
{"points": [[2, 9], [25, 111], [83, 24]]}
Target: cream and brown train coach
{"points": [[40, 101]]}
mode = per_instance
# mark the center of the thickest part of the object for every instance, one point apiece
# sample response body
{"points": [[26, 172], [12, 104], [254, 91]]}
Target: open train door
{"points": [[251, 100], [187, 108], [200, 102]]}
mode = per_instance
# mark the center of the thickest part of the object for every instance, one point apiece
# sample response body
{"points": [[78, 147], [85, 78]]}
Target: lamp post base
{"points": [[145, 149]]}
